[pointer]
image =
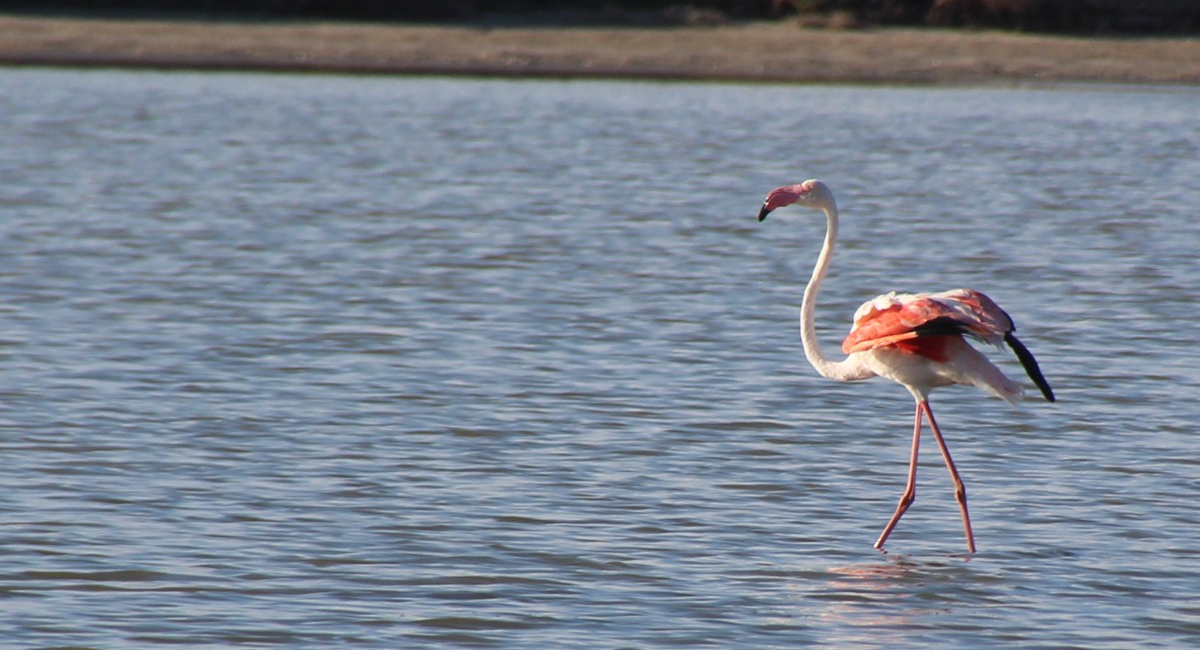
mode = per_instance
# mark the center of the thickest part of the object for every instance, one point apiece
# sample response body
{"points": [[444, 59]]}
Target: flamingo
{"points": [[916, 340]]}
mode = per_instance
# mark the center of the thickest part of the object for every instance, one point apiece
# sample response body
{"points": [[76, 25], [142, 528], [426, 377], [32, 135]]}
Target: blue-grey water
{"points": [[317, 361]]}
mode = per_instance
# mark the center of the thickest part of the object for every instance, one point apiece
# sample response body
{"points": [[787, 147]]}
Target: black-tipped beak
{"points": [[762, 214]]}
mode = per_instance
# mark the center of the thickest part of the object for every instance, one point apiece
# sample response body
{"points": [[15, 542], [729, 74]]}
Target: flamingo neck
{"points": [[848, 369]]}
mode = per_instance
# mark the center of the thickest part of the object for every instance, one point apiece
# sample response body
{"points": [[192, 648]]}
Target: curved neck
{"points": [[845, 370]]}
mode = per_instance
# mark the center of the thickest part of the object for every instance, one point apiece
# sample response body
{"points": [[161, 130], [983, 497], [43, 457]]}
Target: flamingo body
{"points": [[917, 340]]}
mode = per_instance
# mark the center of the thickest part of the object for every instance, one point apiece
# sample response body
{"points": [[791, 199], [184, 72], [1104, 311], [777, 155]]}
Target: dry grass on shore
{"points": [[746, 51]]}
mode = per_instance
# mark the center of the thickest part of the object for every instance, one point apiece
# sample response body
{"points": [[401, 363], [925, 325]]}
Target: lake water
{"points": [[316, 361]]}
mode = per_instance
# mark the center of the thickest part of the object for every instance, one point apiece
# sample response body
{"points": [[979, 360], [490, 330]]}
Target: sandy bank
{"points": [[750, 52]]}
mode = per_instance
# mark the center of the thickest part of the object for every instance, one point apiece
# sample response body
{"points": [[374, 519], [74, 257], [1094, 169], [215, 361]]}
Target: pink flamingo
{"points": [[916, 340]]}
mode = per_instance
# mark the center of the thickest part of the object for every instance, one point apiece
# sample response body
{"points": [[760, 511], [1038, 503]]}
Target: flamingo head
{"points": [[812, 193]]}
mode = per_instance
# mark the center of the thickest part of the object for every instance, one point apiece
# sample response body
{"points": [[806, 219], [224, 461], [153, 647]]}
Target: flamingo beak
{"points": [[778, 198]]}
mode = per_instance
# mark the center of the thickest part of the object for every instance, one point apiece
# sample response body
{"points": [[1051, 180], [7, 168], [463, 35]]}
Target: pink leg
{"points": [[960, 491], [910, 490]]}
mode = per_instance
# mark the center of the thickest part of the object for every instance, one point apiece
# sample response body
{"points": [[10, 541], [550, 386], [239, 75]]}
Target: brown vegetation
{"points": [[1067, 16], [1072, 16]]}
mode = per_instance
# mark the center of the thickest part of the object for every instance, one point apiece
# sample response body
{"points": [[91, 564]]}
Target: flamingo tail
{"points": [[1030, 364]]}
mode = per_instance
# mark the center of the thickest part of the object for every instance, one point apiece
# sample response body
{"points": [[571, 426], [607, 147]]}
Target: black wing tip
{"points": [[1030, 364], [943, 326]]}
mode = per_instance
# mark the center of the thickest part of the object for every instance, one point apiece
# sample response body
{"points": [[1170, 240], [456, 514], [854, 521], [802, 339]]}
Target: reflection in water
{"points": [[876, 604]]}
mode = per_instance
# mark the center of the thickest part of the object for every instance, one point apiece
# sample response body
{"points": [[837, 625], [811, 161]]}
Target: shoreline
{"points": [[744, 52]]}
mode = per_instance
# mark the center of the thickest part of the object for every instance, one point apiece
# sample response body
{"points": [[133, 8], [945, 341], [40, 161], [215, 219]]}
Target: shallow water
{"points": [[381, 362]]}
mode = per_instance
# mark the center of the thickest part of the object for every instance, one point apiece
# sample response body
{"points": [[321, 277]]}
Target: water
{"points": [[318, 362]]}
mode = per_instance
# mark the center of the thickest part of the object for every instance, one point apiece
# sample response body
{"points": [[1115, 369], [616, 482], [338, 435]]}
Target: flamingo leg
{"points": [[960, 491], [910, 489]]}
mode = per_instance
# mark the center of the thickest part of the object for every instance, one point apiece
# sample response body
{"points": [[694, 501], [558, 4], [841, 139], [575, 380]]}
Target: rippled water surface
{"points": [[323, 362]]}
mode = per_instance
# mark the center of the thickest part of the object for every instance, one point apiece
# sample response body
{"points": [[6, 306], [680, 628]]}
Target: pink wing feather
{"points": [[901, 319]]}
